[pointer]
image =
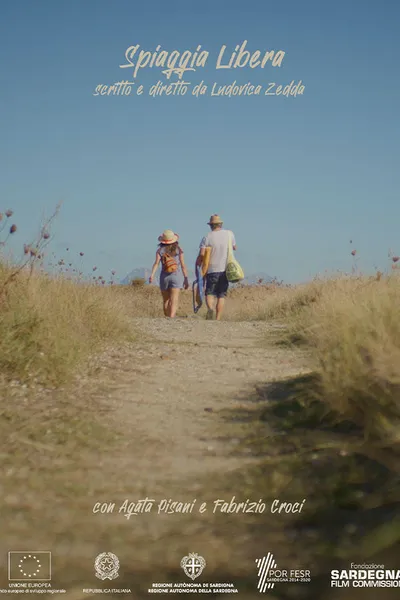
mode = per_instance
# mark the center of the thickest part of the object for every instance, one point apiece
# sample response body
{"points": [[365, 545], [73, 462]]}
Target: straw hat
{"points": [[215, 220], [168, 237]]}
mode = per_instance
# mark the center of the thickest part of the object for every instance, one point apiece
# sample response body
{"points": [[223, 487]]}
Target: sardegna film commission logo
{"points": [[365, 575]]}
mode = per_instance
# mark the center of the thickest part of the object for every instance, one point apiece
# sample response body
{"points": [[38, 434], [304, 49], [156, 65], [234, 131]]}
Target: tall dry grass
{"points": [[351, 328], [243, 303], [342, 421], [353, 332], [269, 302], [146, 301], [48, 325]]}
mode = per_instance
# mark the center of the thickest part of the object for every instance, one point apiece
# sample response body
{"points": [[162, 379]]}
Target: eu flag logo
{"points": [[29, 566]]}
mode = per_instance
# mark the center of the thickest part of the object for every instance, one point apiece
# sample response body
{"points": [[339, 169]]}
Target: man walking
{"points": [[216, 281]]}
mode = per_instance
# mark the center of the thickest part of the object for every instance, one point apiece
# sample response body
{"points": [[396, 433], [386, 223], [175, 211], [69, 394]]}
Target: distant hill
{"points": [[140, 273], [143, 273], [256, 278]]}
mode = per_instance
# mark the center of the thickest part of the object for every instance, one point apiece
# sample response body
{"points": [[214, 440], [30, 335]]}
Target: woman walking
{"points": [[170, 255]]}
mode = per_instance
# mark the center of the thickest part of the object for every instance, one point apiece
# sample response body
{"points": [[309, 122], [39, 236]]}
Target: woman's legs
{"points": [[173, 301], [170, 288], [166, 302]]}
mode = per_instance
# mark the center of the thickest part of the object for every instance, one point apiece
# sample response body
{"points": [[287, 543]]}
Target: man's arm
{"points": [[200, 257], [233, 241], [202, 251], [184, 270]]}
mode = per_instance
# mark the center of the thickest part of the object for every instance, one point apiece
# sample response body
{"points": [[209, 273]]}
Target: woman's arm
{"points": [[155, 267], [184, 270]]}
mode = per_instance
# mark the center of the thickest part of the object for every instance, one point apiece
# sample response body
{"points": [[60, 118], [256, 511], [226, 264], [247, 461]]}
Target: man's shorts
{"points": [[170, 281], [217, 284]]}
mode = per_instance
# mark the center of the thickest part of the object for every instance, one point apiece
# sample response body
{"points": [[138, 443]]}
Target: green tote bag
{"points": [[234, 271]]}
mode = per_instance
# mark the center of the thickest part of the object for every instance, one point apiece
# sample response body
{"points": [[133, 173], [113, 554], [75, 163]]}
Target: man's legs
{"points": [[216, 290], [211, 281], [210, 301], [220, 307], [222, 290]]}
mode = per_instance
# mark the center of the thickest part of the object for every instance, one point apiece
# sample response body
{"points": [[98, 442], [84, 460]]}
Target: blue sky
{"points": [[295, 178]]}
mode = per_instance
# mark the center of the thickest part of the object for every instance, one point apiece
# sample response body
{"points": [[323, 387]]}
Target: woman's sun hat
{"points": [[168, 237], [215, 220]]}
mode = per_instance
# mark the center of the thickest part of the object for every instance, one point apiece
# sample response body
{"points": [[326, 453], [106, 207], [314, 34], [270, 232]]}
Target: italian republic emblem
{"points": [[106, 566], [193, 565]]}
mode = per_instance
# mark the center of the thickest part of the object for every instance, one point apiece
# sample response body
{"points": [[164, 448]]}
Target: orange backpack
{"points": [[169, 263]]}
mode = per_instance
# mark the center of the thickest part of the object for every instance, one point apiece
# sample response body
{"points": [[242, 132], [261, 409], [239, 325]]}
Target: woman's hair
{"points": [[172, 249]]}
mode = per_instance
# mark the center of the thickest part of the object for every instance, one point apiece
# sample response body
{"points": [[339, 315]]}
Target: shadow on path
{"points": [[351, 487]]}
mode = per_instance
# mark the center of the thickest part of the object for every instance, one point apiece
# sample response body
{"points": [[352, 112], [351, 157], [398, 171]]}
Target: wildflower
{"points": [[13, 228], [80, 253], [353, 252], [33, 252], [395, 258], [45, 235], [94, 268], [9, 213], [112, 272], [26, 249]]}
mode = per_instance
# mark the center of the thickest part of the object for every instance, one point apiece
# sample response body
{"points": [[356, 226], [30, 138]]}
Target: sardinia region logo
{"points": [[193, 565]]}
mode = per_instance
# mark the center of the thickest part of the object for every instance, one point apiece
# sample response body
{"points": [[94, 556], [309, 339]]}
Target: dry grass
{"points": [[341, 423], [48, 325], [247, 303], [350, 326], [353, 332], [269, 302], [349, 323], [146, 301], [243, 303]]}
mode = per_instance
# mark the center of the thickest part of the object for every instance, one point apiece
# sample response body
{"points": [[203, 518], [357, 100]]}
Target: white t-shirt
{"points": [[218, 242]]}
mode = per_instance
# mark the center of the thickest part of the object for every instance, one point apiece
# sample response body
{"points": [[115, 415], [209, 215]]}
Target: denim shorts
{"points": [[217, 284], [169, 281]]}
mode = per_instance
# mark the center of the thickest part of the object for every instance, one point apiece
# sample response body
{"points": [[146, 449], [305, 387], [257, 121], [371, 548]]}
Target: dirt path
{"points": [[193, 370], [160, 404]]}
